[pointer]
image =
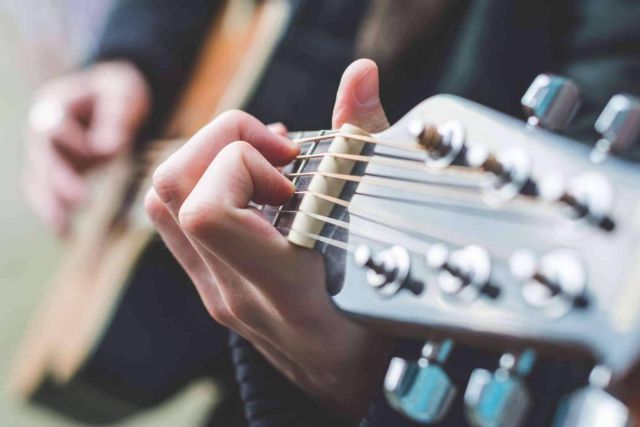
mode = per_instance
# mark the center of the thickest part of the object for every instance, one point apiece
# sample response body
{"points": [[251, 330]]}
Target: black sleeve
{"points": [[268, 398], [601, 53], [162, 38]]}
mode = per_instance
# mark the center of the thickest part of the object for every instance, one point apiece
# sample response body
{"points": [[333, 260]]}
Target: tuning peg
{"points": [[592, 406], [554, 283], [551, 102], [464, 272], [389, 270], [443, 143], [501, 398], [619, 125], [422, 390]]}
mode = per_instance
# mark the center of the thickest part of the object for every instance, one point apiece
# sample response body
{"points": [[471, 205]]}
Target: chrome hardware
{"points": [[501, 398], [464, 273], [511, 170], [619, 125], [389, 270], [592, 406], [555, 283], [591, 197], [443, 143], [513, 174], [551, 102], [422, 390]]}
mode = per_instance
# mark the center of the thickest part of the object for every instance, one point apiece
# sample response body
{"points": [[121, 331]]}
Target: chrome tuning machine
{"points": [[500, 398], [592, 406], [555, 283], [619, 125], [389, 270], [443, 143], [589, 196], [422, 391], [551, 102], [464, 273]]}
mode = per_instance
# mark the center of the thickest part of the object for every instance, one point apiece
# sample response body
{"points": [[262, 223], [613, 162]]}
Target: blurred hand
{"points": [[77, 122], [250, 278]]}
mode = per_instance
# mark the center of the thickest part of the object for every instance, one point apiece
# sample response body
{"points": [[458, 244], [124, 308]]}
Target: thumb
{"points": [[358, 98]]}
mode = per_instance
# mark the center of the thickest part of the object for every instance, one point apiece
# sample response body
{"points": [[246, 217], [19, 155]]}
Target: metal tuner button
{"points": [[551, 102], [619, 125], [443, 144], [592, 406], [500, 398], [421, 390], [555, 283], [389, 270], [463, 273]]}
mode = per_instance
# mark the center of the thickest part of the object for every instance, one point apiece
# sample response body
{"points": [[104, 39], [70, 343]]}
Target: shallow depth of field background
{"points": [[40, 39]]}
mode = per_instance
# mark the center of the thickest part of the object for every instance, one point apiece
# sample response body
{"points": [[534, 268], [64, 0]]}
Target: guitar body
{"points": [[119, 330]]}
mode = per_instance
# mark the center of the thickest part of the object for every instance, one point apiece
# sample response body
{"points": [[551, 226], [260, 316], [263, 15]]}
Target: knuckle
{"points": [[165, 182], [200, 218], [236, 151], [155, 208], [232, 116], [242, 310], [219, 311]]}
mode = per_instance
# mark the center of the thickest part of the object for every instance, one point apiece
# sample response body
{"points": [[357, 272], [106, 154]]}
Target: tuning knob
{"points": [[551, 102], [501, 398], [464, 273], [422, 390], [555, 283], [389, 270], [443, 143], [592, 406], [619, 125]]}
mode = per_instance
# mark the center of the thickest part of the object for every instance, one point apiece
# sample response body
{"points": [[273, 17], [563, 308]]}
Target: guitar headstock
{"points": [[471, 225]]}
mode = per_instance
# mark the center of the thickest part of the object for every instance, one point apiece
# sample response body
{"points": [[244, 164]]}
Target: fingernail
{"points": [[274, 127], [367, 87]]}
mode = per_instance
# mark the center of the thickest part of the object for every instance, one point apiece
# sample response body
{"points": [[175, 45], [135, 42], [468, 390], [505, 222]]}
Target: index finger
{"points": [[174, 179]]}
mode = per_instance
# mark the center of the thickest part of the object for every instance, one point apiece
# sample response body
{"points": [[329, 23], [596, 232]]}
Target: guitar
{"points": [[73, 359], [460, 226]]}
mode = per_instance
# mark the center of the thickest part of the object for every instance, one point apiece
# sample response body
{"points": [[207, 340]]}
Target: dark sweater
{"points": [[484, 50]]}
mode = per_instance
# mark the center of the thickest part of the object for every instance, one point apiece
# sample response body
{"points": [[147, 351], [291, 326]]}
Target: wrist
{"points": [[347, 386]]}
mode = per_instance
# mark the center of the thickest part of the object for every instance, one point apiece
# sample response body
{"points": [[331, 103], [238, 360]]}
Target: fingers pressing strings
{"points": [[174, 179]]}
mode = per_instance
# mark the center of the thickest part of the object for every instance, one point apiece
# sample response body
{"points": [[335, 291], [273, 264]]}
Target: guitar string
{"points": [[399, 184], [453, 169], [506, 215], [468, 192], [399, 226], [363, 138], [394, 161], [405, 163]]}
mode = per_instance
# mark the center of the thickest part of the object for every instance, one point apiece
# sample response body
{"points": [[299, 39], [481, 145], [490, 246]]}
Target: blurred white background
{"points": [[38, 40]]}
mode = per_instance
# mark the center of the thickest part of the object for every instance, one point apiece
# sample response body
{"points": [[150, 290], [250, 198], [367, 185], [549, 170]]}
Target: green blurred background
{"points": [[40, 39]]}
